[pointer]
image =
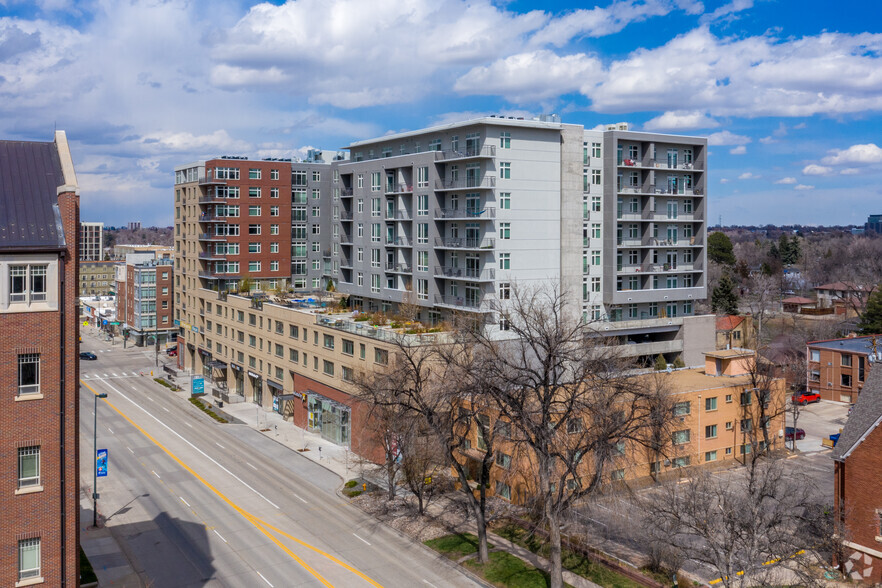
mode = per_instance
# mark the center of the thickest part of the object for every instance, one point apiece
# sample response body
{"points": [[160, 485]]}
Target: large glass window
{"points": [[29, 558], [28, 466]]}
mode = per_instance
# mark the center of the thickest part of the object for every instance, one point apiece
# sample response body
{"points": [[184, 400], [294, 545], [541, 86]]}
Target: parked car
{"points": [[790, 433], [805, 397], [172, 351], [88, 355]]}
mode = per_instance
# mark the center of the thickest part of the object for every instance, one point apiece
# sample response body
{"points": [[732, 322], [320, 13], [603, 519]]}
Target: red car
{"points": [[790, 433], [805, 397]]}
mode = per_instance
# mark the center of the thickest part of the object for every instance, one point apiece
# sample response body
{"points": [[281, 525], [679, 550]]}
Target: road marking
{"points": [[300, 499], [429, 583], [93, 414], [219, 445], [111, 430], [260, 524], [155, 474], [165, 409], [150, 398], [264, 579], [360, 539], [189, 425], [185, 502], [130, 450], [105, 375], [114, 375], [219, 535], [250, 466]]}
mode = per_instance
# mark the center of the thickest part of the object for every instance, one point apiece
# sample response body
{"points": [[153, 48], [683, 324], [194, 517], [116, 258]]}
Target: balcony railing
{"points": [[345, 215], [210, 179], [464, 243], [345, 192], [465, 273], [648, 268], [465, 213], [401, 188], [212, 256], [653, 164], [652, 189], [463, 183], [472, 303], [211, 218], [484, 151], [210, 237], [399, 268], [398, 215], [399, 242]]}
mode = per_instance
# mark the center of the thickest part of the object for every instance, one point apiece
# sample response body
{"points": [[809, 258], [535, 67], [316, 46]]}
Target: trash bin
{"points": [[220, 403]]}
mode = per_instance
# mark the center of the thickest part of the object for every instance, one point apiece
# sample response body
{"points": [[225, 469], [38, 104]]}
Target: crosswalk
{"points": [[109, 375]]}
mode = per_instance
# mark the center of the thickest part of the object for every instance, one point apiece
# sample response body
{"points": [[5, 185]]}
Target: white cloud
{"points": [[727, 138], [749, 176], [865, 154], [724, 180], [599, 21], [849, 171], [679, 120], [740, 150], [786, 181], [816, 170], [184, 142], [803, 187], [727, 10]]}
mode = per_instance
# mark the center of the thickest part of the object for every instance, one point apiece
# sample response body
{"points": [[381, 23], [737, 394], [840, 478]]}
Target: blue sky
{"points": [[789, 93]]}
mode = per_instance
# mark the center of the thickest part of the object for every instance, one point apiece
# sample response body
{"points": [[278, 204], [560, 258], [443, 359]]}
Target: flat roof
{"points": [[730, 353], [696, 379], [852, 344]]}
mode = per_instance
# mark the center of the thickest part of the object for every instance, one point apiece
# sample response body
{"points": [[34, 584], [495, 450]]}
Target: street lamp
{"points": [[95, 469]]}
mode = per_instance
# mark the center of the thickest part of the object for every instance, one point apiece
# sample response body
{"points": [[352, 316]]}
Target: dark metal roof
{"points": [[864, 416], [30, 173], [852, 344]]}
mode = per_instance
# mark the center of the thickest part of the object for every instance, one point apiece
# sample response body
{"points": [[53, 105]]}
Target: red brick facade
{"points": [[838, 374], [48, 420]]}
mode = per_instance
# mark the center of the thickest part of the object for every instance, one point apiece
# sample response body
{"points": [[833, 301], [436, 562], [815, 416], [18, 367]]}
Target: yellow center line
{"points": [[262, 526], [767, 563]]}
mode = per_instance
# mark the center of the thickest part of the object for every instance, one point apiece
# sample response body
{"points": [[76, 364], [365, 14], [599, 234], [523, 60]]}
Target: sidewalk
{"points": [[111, 565]]}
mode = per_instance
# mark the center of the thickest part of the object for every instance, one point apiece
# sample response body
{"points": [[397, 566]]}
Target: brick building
{"points": [[838, 368], [39, 364], [97, 278], [144, 298], [857, 486]]}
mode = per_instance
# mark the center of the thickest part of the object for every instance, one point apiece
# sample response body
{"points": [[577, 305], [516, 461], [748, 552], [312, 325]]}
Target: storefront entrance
{"points": [[329, 418]]}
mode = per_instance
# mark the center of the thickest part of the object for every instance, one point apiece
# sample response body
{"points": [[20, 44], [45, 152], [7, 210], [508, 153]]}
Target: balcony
{"points": [[653, 190], [213, 199], [399, 268], [209, 179], [465, 213], [345, 192], [397, 215], [207, 217], [466, 303], [465, 183], [398, 242], [345, 215], [213, 238], [468, 153], [653, 164], [464, 243], [401, 188], [211, 257], [653, 268], [465, 273]]}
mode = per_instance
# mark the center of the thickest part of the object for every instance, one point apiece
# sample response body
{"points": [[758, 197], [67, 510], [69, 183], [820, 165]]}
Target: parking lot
{"points": [[818, 420]]}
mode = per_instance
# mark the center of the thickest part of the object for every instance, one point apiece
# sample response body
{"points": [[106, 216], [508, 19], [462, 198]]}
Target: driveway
{"points": [[818, 420]]}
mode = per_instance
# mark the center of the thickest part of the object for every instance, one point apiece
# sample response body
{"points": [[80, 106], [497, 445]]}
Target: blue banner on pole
{"points": [[101, 463], [198, 386]]}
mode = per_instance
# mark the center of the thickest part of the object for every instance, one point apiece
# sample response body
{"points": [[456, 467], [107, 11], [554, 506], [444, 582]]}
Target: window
{"points": [[710, 403], [617, 475], [254, 248], [328, 367], [505, 140], [504, 291], [746, 398], [846, 380], [381, 356], [375, 181], [253, 229], [574, 426], [274, 229], [274, 248], [28, 467], [423, 261], [816, 355], [422, 233], [710, 432], [29, 559], [728, 398], [846, 360], [595, 177], [680, 462], [328, 341], [503, 490], [710, 456], [595, 149], [253, 266], [274, 174], [422, 177], [680, 437], [348, 347], [503, 460], [254, 192], [274, 211], [422, 289], [29, 374], [505, 261], [27, 283], [505, 230], [505, 170], [682, 408]]}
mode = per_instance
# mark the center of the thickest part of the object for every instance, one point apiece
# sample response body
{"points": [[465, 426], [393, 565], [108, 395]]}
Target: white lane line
{"points": [[114, 375], [429, 583], [300, 499], [130, 450], [360, 539], [111, 430], [133, 388], [150, 398], [179, 436], [189, 425], [93, 413], [219, 445], [219, 535], [250, 466], [185, 502], [264, 579], [155, 474], [165, 409], [105, 375]]}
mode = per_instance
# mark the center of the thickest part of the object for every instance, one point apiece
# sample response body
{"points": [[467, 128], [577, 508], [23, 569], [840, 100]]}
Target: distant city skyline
{"points": [[788, 95]]}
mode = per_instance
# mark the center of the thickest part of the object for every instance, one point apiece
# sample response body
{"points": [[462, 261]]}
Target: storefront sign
{"points": [[198, 386]]}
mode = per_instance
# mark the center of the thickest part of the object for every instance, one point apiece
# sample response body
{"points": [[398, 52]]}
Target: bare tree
{"points": [[762, 297], [574, 410], [421, 460]]}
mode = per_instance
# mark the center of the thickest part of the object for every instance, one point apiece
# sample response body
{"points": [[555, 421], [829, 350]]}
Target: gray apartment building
{"points": [[452, 218]]}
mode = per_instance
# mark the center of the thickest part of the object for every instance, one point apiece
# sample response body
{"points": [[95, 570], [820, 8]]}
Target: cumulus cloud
{"points": [[724, 180], [727, 10], [727, 138], [849, 171], [786, 181], [748, 176], [816, 170], [740, 150], [860, 154], [803, 187], [679, 120], [601, 21]]}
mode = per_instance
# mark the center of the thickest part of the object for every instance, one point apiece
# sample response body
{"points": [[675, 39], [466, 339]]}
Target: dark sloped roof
{"points": [[864, 416], [30, 173]]}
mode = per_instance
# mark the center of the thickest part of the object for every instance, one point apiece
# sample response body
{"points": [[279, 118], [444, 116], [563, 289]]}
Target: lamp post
{"points": [[95, 469]]}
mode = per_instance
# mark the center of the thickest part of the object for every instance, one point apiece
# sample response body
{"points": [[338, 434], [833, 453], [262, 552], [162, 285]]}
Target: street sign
{"points": [[198, 386], [101, 463]]}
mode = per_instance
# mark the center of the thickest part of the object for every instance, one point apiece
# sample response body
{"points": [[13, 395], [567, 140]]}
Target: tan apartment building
{"points": [[91, 247], [97, 278], [838, 368], [158, 251], [716, 415], [144, 301]]}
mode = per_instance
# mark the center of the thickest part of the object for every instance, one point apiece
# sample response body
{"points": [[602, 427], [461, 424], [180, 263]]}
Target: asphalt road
{"points": [[196, 503]]}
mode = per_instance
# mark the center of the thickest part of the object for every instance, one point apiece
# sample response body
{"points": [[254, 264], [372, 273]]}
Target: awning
{"points": [[238, 368], [272, 384], [253, 375], [204, 352], [191, 347], [217, 364], [286, 397]]}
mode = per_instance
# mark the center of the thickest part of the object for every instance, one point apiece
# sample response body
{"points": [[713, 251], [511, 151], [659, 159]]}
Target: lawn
{"points": [[507, 571], [456, 546]]}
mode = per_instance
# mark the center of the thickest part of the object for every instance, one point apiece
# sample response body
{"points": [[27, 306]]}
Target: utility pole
{"points": [[95, 469]]}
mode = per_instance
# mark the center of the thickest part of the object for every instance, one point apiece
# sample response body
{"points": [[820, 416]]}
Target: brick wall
{"points": [[859, 501]]}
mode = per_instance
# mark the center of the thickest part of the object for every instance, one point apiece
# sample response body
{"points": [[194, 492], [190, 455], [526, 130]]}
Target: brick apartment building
{"points": [[39, 364], [144, 300], [857, 481], [838, 368], [97, 278]]}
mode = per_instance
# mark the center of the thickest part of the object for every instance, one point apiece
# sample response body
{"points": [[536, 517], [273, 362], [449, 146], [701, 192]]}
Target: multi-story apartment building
{"points": [[838, 368], [144, 301], [97, 278], [122, 250], [39, 369], [91, 241]]}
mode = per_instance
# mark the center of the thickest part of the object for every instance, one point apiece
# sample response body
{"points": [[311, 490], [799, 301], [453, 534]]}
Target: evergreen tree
{"points": [[724, 300], [660, 363], [871, 322], [719, 249]]}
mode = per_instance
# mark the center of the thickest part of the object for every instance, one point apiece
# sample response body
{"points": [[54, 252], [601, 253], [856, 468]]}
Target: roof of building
{"points": [[728, 322], [696, 379], [730, 353], [30, 173], [865, 417], [852, 344], [843, 286], [797, 300]]}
